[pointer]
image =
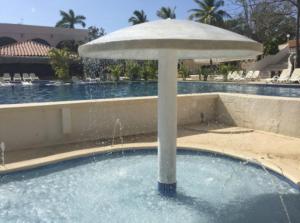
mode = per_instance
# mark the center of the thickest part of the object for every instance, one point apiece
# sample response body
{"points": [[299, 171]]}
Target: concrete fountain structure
{"points": [[168, 41]]}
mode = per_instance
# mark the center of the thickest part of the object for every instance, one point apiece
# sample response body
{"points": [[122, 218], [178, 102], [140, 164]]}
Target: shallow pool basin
{"points": [[122, 187]]}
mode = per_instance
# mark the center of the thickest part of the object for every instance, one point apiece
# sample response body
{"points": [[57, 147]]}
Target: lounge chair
{"points": [[88, 78], [97, 79], [6, 77], [249, 75], [229, 76], [238, 75], [33, 77], [295, 76], [284, 76], [75, 79], [26, 77], [17, 77], [255, 75]]}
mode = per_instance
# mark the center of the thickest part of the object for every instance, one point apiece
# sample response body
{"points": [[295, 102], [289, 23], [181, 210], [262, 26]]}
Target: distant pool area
{"points": [[52, 91]]}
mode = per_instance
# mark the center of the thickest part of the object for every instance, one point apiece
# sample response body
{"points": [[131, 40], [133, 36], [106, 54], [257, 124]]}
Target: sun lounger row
{"points": [[90, 79], [286, 77], [239, 76], [17, 77]]}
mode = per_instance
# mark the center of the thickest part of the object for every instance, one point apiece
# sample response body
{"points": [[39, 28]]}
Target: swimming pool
{"points": [[47, 91]]}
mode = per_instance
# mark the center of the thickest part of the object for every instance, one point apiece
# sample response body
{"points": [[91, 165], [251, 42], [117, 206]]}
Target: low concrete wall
{"points": [[272, 114], [47, 124]]}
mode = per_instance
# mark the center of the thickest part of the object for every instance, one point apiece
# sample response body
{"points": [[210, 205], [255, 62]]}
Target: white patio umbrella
{"points": [[168, 41]]}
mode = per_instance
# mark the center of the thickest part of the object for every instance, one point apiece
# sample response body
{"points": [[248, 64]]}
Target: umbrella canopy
{"points": [[191, 40]]}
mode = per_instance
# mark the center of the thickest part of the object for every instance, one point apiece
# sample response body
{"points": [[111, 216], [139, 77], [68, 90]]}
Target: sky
{"points": [[109, 14]]}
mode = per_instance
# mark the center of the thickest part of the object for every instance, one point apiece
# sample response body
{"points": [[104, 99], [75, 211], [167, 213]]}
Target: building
{"points": [[52, 36], [24, 48], [26, 57]]}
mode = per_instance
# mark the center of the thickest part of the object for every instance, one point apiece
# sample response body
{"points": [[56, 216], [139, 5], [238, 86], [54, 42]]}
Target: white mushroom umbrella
{"points": [[168, 41]]}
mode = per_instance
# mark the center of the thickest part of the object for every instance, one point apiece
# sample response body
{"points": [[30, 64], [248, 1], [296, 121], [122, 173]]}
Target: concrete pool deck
{"points": [[279, 153]]}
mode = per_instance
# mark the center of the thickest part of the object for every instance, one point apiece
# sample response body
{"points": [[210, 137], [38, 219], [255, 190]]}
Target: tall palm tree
{"points": [[166, 13], [69, 20], [209, 12], [138, 17]]}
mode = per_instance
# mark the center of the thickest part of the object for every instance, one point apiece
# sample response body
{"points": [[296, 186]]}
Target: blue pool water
{"points": [[122, 188], [45, 92]]}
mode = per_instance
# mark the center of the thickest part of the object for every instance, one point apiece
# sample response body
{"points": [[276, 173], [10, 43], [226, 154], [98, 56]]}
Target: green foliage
{"points": [[138, 17], [60, 62], [206, 71], [166, 13], [116, 71], [264, 20], [209, 12], [225, 68], [69, 20], [271, 47], [95, 32], [133, 70], [149, 70], [69, 45], [184, 72]]}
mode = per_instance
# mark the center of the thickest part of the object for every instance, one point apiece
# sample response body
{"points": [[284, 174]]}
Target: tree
{"points": [[149, 70], [209, 12], [69, 20], [95, 32], [166, 13], [271, 47], [70, 45], [184, 72], [138, 17], [264, 22], [60, 62], [271, 21], [206, 71], [296, 5]]}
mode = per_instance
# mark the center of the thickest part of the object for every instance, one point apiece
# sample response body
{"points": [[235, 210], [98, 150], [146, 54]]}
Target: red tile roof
{"points": [[25, 49]]}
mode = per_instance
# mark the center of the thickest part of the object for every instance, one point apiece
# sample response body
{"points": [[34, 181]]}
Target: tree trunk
{"points": [[297, 35]]}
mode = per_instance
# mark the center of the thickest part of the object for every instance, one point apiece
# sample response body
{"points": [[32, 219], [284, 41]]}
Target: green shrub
{"points": [[133, 70], [184, 72], [205, 71], [224, 69], [271, 47], [60, 60], [149, 70], [116, 71]]}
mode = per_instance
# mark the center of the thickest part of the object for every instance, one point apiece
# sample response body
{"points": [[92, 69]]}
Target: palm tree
{"points": [[166, 13], [69, 20], [209, 12], [138, 17]]}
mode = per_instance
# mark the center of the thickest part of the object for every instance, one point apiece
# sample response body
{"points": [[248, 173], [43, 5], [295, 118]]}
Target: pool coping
{"points": [[124, 99]]}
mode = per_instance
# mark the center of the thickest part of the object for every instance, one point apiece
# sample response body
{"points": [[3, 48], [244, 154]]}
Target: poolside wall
{"points": [[271, 114], [41, 125]]}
